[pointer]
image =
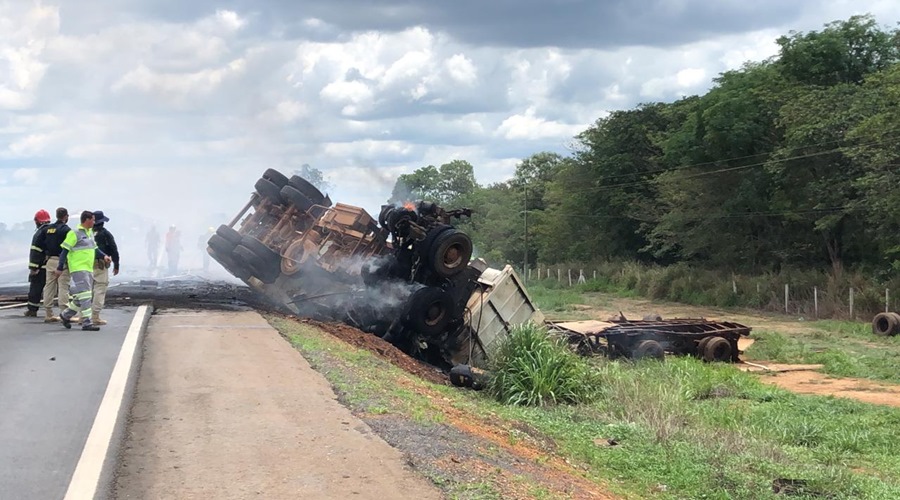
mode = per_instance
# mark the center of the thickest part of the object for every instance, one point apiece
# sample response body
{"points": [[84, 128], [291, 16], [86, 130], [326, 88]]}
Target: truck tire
{"points": [[424, 246], [429, 311], [297, 199], [263, 270], [229, 234], [261, 249], [230, 265], [311, 191], [267, 189], [450, 253], [275, 177], [717, 349], [220, 245], [883, 324], [896, 330], [648, 349]]}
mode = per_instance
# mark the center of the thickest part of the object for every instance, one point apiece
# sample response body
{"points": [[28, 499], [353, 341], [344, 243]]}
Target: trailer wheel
{"points": [[717, 349], [229, 234], [701, 346], [450, 253], [429, 310], [308, 189], [275, 177], [268, 189], [885, 324], [297, 199], [648, 349]]}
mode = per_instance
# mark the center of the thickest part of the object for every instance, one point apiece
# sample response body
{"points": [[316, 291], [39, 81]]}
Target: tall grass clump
{"points": [[532, 368]]}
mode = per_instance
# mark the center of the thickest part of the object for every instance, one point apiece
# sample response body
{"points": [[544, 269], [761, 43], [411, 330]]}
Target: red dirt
{"points": [[382, 348]]}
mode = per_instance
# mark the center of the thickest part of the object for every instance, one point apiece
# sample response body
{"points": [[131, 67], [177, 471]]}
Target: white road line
{"points": [[86, 478]]}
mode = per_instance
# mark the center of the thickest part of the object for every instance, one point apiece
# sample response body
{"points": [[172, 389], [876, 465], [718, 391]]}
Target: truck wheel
{"points": [[275, 177], [424, 247], [450, 253], [260, 249], [267, 189], [885, 324], [297, 199], [717, 349], [229, 234], [648, 349], [220, 245], [229, 264], [290, 262], [307, 188], [263, 270], [429, 311]]}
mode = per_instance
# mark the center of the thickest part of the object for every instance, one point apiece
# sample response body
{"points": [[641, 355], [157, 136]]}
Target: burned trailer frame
{"points": [[635, 339]]}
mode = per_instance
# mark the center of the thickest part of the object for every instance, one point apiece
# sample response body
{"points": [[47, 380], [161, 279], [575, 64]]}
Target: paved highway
{"points": [[51, 383]]}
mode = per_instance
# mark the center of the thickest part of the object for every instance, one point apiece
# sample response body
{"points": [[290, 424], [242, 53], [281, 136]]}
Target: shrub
{"points": [[532, 368]]}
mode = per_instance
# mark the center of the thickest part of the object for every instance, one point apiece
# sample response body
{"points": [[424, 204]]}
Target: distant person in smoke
{"points": [[152, 247], [201, 244], [173, 249]]}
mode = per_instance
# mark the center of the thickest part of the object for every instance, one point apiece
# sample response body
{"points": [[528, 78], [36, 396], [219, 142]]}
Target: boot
{"points": [[29, 313], [90, 328], [50, 318], [95, 319]]}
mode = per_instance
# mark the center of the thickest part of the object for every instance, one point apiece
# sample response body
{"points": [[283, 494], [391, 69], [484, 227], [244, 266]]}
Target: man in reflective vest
{"points": [[78, 254], [37, 272]]}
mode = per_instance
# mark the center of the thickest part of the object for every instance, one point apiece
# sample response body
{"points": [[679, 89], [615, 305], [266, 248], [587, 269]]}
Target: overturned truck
{"points": [[407, 277]]}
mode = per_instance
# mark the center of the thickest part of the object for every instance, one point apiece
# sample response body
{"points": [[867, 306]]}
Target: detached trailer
{"points": [[653, 338]]}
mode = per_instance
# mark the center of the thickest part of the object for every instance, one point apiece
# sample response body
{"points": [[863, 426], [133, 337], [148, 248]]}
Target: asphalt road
{"points": [[51, 383]]}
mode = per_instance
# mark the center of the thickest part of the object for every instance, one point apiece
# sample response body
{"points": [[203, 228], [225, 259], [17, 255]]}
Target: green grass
{"points": [[686, 429], [845, 349], [532, 368]]}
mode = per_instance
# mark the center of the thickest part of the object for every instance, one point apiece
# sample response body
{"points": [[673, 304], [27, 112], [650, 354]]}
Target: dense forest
{"points": [[791, 162]]}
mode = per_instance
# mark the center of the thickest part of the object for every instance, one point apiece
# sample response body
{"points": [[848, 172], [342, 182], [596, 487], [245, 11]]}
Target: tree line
{"points": [[791, 161]]}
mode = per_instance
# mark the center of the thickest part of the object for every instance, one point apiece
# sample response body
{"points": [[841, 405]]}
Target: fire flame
{"points": [[409, 205]]}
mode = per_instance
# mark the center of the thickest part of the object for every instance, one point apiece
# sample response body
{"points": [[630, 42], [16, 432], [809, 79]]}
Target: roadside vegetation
{"points": [[677, 429]]}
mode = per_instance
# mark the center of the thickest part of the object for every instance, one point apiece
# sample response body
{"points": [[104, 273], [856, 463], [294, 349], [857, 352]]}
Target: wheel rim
{"points": [[453, 256], [434, 314]]}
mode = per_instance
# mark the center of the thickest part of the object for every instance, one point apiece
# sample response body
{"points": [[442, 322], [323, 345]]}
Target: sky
{"points": [[168, 111]]}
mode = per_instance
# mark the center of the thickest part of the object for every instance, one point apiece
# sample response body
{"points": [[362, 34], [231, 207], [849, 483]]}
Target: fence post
{"points": [[786, 299], [851, 303], [595, 274], [581, 276], [733, 286], [887, 300], [558, 274], [570, 277], [548, 273], [816, 300]]}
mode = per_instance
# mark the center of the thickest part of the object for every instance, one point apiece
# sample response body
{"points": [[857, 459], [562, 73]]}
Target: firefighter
{"points": [[37, 270], [107, 244], [57, 287], [78, 254]]}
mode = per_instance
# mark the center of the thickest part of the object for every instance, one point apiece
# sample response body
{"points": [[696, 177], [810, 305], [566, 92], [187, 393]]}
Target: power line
{"points": [[712, 172]]}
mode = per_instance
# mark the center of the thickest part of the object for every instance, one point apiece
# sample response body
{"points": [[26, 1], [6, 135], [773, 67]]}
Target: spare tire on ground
{"points": [[886, 323]]}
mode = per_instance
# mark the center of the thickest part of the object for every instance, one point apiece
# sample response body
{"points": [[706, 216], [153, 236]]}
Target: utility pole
{"points": [[525, 268]]}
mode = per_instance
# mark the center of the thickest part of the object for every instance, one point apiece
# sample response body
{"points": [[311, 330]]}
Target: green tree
{"points": [[314, 176], [442, 185]]}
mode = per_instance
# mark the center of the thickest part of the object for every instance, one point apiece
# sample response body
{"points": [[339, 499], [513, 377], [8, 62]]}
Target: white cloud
{"points": [[530, 127], [461, 69]]}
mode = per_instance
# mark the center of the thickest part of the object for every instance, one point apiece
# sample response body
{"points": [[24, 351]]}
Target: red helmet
{"points": [[42, 216]]}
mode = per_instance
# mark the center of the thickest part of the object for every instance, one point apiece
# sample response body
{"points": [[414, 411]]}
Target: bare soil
{"points": [[805, 379]]}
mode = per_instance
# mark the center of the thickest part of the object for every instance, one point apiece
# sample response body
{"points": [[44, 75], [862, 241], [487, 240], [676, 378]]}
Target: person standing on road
{"points": [[57, 287], [37, 270], [107, 244], [78, 254], [152, 247], [173, 249]]}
